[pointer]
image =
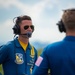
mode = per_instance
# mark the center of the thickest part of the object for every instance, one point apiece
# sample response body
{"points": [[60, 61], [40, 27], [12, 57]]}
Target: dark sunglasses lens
{"points": [[26, 27], [32, 27]]}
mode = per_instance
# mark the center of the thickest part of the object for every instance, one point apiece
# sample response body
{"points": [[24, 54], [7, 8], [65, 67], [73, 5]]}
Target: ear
{"points": [[16, 29], [61, 26]]}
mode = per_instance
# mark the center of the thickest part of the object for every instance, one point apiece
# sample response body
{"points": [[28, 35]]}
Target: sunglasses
{"points": [[26, 27]]}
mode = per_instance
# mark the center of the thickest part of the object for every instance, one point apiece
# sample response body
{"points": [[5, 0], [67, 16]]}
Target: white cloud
{"points": [[35, 12], [47, 35], [6, 3], [6, 31], [66, 4], [70, 5], [45, 28]]}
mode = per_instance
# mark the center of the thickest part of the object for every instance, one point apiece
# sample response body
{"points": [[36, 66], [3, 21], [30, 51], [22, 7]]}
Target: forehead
{"points": [[26, 22]]}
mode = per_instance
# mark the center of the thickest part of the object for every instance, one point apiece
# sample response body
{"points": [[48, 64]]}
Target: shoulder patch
{"points": [[39, 60]]}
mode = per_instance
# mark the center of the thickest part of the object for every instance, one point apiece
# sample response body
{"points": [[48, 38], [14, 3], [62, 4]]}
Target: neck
{"points": [[23, 39], [71, 33]]}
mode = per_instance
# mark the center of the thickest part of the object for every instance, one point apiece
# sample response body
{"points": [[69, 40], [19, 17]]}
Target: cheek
{"points": [[22, 29]]}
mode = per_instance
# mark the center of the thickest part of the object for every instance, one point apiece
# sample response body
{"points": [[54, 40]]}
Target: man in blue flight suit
{"points": [[18, 56], [59, 57]]}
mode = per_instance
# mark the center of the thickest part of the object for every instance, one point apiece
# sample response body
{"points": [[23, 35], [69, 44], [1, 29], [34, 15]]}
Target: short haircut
{"points": [[68, 19], [19, 19]]}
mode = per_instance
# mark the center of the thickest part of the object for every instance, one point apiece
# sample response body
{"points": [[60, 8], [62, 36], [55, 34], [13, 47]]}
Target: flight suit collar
{"points": [[70, 38], [18, 44]]}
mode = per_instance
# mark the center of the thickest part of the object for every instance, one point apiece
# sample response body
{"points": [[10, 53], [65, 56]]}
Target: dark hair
{"points": [[19, 19]]}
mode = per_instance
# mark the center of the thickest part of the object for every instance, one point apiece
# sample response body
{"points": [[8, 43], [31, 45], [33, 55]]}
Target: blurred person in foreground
{"points": [[18, 56], [59, 57]]}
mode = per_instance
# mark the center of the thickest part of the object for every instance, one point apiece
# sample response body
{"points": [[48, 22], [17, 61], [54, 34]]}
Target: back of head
{"points": [[68, 19]]}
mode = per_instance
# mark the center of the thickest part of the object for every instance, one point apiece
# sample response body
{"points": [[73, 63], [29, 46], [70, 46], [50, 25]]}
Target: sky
{"points": [[45, 15]]}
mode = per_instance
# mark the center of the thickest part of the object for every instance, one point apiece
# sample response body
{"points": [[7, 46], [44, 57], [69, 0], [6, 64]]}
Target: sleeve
{"points": [[3, 53], [41, 65]]}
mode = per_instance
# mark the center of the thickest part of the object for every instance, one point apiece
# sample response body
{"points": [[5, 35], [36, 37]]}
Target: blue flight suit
{"points": [[15, 60], [59, 57]]}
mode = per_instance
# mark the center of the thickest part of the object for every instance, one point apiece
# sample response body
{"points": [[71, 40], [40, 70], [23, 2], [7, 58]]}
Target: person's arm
{"points": [[3, 53], [41, 65]]}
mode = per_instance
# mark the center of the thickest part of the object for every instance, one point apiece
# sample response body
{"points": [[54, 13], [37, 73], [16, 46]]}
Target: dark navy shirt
{"points": [[59, 57]]}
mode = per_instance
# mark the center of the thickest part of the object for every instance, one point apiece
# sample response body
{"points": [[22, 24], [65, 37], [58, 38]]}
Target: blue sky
{"points": [[44, 13]]}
